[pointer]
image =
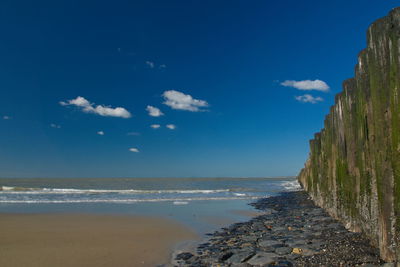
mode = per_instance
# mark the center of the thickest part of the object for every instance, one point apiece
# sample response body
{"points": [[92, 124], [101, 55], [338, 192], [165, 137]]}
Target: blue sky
{"points": [[214, 69]]}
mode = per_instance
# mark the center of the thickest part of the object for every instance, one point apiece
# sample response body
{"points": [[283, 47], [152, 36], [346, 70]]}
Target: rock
{"points": [[293, 256], [296, 243], [279, 229], [240, 257], [335, 226], [250, 238], [269, 243], [283, 264], [244, 264], [283, 250], [246, 245], [263, 259], [297, 251], [308, 252], [314, 244], [267, 249], [225, 256], [184, 256], [237, 246], [303, 251]]}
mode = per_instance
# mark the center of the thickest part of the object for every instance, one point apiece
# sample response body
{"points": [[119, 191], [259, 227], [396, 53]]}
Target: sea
{"points": [[203, 204]]}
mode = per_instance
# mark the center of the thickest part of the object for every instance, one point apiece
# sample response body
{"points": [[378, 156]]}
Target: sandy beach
{"points": [[87, 240]]}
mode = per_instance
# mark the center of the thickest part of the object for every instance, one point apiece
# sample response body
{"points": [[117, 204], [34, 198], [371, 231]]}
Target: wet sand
{"points": [[248, 213], [87, 240]]}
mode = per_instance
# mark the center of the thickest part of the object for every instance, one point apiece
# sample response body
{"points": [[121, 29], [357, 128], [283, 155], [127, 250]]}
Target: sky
{"points": [[171, 88]]}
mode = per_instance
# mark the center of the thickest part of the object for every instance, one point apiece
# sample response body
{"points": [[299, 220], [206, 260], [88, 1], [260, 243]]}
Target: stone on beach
{"points": [[297, 234], [263, 259]]}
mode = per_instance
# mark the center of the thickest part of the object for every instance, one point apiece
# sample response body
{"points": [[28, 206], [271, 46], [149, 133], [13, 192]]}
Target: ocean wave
{"points": [[180, 202], [239, 194], [119, 201], [22, 190], [292, 185]]}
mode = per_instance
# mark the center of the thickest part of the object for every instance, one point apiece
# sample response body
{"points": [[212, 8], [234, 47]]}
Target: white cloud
{"points": [[101, 110], [112, 112], [133, 133], [5, 117], [179, 100], [171, 126], [53, 125], [307, 85], [162, 66], [100, 133], [155, 126], [79, 102], [150, 64], [309, 99], [133, 149], [154, 112]]}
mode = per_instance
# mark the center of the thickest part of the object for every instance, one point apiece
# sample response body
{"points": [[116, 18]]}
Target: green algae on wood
{"points": [[353, 170]]}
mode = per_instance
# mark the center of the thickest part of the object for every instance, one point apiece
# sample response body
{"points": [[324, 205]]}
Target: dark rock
{"points": [[240, 257], [250, 238], [225, 256], [263, 259], [282, 264], [283, 250], [237, 246], [269, 243], [184, 256], [244, 264]]}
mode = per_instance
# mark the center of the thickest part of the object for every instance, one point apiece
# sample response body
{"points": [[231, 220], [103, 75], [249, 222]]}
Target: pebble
{"points": [[241, 257], [263, 259], [269, 243], [291, 232], [283, 250]]}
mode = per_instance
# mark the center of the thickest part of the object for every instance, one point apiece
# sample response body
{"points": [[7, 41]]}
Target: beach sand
{"points": [[87, 240]]}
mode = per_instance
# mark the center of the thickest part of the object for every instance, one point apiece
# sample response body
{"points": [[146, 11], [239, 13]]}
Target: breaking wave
{"points": [[175, 201], [23, 190], [243, 190], [291, 185]]}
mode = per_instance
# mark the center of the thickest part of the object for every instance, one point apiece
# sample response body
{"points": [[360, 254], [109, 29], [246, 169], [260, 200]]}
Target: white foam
{"points": [[14, 190], [292, 185], [7, 188], [132, 200], [180, 202]]}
